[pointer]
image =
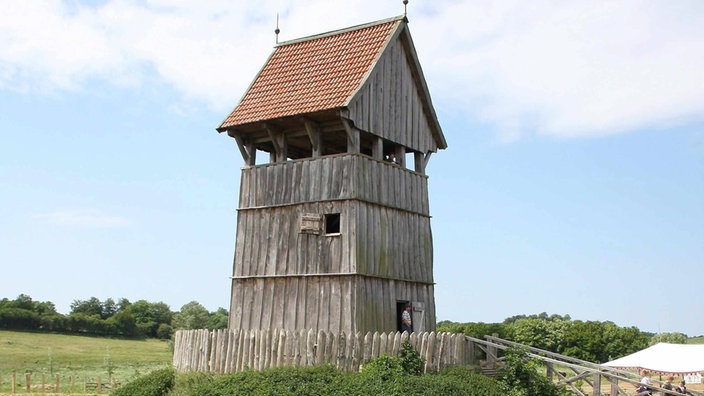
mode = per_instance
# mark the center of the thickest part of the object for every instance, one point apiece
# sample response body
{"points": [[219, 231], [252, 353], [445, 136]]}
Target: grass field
{"points": [[84, 358]]}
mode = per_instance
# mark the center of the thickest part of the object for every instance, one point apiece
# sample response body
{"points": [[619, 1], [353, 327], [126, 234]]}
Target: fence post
{"points": [[597, 385], [28, 377], [491, 352], [58, 384], [43, 381], [614, 386], [13, 384], [99, 388]]}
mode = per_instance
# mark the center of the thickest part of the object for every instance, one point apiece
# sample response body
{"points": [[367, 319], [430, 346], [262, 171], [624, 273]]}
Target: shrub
{"points": [[384, 368], [520, 377], [318, 380], [383, 376], [411, 361], [156, 383], [453, 381], [186, 382], [164, 331]]}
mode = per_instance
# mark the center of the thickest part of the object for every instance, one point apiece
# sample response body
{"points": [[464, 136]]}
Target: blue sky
{"points": [[573, 182]]}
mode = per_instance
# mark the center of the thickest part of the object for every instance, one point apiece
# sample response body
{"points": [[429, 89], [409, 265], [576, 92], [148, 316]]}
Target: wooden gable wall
{"points": [[390, 103]]}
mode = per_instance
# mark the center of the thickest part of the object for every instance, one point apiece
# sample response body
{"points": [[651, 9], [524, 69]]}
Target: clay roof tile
{"points": [[312, 74]]}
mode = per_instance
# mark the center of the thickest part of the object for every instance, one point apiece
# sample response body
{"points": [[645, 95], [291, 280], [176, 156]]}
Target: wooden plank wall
{"points": [[228, 351], [334, 177], [375, 307], [269, 241], [389, 103], [285, 278], [373, 240], [294, 303], [333, 303], [385, 227], [393, 244]]}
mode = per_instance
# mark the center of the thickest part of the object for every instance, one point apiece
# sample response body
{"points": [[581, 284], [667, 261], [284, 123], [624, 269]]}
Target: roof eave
{"points": [[222, 127]]}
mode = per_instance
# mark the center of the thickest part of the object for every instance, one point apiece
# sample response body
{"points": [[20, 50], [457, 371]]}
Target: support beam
{"points": [[315, 136], [278, 140], [378, 149], [353, 136], [421, 161], [400, 153], [247, 148]]}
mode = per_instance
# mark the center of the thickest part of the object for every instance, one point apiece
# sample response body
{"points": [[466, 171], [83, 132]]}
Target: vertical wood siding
{"points": [[335, 177], [335, 303], [289, 279], [389, 103], [228, 351]]}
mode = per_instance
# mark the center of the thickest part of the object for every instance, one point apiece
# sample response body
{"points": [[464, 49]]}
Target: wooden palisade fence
{"points": [[227, 351]]}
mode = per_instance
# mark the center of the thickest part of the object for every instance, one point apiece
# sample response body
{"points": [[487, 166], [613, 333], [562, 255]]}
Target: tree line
{"points": [[594, 341], [588, 340], [108, 318]]}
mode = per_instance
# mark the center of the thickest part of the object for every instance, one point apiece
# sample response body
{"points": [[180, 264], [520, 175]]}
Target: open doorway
{"points": [[400, 306]]}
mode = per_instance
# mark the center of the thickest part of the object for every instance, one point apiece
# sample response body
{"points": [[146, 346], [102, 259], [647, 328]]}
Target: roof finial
{"points": [[277, 30], [405, 10]]}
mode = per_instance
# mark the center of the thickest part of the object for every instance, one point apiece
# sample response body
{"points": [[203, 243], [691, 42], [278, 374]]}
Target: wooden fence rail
{"points": [[53, 385], [227, 351]]}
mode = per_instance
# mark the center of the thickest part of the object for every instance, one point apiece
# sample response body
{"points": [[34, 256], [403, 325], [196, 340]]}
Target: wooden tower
{"points": [[333, 229]]}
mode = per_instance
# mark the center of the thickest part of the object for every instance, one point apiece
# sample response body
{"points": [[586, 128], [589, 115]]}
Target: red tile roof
{"points": [[313, 74]]}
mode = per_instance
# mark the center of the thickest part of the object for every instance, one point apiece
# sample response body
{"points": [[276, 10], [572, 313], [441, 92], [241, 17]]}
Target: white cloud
{"points": [[571, 68], [558, 68], [83, 218]]}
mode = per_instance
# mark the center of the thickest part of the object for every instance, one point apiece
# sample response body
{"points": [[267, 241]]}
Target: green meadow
{"points": [[83, 358]]}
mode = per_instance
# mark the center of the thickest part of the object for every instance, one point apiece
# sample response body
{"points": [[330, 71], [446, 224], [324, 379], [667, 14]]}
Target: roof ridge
{"points": [[341, 31]]}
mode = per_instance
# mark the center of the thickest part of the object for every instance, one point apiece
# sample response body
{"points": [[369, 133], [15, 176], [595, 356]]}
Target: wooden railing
{"points": [[577, 370]]}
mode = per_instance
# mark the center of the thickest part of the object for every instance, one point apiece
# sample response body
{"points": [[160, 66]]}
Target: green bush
{"points": [[319, 380], [186, 382], [384, 368], [383, 376], [521, 376], [410, 359], [452, 381], [156, 383]]}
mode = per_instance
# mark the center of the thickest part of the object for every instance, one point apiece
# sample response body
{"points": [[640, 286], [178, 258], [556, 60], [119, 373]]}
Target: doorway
{"points": [[400, 305]]}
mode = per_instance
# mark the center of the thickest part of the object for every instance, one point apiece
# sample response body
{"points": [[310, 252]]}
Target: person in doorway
{"points": [[646, 384], [406, 324]]}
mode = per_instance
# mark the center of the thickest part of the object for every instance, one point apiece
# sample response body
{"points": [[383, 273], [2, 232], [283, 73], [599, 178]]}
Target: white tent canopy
{"points": [[664, 358]]}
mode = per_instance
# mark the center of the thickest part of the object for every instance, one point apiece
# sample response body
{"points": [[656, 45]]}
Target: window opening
{"points": [[332, 223]]}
